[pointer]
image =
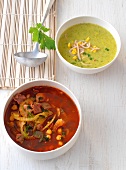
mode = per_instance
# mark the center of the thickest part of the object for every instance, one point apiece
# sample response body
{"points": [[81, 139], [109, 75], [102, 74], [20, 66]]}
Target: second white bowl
{"points": [[93, 20]]}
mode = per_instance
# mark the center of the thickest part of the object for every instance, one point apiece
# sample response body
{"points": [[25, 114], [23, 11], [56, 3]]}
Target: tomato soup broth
{"points": [[41, 118], [87, 45]]}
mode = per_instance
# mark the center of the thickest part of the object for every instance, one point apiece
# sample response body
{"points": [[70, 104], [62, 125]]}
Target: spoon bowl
{"points": [[31, 59]]}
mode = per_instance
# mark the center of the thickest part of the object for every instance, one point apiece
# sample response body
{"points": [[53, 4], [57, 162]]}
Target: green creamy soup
{"points": [[87, 45]]}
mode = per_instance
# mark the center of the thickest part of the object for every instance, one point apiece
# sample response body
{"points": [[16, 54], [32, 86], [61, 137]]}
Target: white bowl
{"points": [[53, 153], [93, 20]]}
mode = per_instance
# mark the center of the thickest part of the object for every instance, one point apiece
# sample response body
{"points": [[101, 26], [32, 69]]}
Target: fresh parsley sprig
{"points": [[38, 35]]}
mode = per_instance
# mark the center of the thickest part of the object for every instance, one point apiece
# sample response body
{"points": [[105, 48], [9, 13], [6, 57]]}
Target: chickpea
{"points": [[48, 136], [60, 143], [12, 118], [59, 131], [49, 132], [58, 137], [14, 107]]}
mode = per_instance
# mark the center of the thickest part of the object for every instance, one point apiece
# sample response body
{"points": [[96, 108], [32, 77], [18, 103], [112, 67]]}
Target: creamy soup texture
{"points": [[87, 45]]}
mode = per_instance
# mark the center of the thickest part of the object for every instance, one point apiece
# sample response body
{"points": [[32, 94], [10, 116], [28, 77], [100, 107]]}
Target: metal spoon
{"points": [[34, 58]]}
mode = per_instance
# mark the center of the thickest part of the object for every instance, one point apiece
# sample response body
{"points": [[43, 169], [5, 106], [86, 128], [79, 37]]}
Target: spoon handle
{"points": [[48, 6]]}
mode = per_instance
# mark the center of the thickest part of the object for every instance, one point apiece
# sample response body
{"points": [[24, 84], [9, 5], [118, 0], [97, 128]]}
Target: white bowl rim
{"points": [[97, 18], [57, 149]]}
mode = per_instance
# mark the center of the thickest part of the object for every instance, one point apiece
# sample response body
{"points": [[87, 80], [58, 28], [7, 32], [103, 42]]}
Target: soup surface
{"points": [[41, 118], [87, 45]]}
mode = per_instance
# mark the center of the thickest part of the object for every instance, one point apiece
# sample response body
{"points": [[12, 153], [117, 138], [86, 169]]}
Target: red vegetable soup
{"points": [[41, 118]]}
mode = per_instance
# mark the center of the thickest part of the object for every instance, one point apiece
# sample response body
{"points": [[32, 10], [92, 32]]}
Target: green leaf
{"points": [[44, 28], [38, 25], [41, 27], [49, 42], [31, 30], [35, 36], [38, 35], [42, 46], [39, 38]]}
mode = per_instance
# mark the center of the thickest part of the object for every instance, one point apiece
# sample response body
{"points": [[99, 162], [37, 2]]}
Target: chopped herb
{"points": [[27, 127], [63, 133], [85, 53], [29, 107], [38, 35], [30, 114], [91, 58], [107, 49]]}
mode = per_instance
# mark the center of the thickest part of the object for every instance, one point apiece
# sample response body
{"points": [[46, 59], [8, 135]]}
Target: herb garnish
{"points": [[27, 127], [87, 54], [107, 49], [29, 107], [30, 114], [38, 35]]}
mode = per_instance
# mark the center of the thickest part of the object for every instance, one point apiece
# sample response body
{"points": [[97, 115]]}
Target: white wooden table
{"points": [[102, 142]]}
